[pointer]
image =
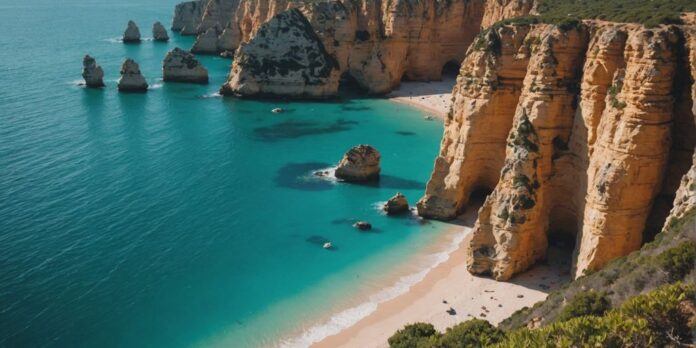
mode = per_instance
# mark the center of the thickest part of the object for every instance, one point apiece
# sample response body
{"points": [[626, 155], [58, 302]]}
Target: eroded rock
{"points": [[92, 73], [182, 66], [285, 58], [359, 164], [206, 43], [132, 33], [159, 32], [131, 79], [396, 205]]}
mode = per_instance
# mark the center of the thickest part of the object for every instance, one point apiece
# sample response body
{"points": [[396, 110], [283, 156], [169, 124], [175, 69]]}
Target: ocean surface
{"points": [[178, 218]]}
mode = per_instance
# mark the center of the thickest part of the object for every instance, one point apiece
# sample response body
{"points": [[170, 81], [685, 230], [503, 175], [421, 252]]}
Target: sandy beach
{"points": [[433, 97], [450, 285]]}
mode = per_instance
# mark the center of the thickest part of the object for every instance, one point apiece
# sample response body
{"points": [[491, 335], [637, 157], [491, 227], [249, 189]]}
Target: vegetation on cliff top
{"points": [[647, 12], [662, 317]]}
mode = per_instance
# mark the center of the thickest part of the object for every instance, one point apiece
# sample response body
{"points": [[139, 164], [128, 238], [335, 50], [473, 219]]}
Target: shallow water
{"points": [[179, 218]]}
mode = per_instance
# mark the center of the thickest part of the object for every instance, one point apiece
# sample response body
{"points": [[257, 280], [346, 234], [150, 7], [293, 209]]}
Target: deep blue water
{"points": [[175, 218]]}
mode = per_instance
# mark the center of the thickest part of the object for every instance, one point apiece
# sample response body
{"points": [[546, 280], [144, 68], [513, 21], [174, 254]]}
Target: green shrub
{"points": [[678, 261], [418, 335], [585, 303], [472, 333]]}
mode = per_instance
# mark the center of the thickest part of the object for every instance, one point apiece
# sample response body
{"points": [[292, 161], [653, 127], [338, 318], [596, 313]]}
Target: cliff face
{"points": [[376, 43], [584, 141]]}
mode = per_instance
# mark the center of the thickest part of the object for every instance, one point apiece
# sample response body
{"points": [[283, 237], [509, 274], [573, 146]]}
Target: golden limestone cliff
{"points": [[376, 44], [579, 133]]}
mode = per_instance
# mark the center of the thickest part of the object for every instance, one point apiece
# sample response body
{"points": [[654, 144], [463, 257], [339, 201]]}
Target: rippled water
{"points": [[178, 218]]}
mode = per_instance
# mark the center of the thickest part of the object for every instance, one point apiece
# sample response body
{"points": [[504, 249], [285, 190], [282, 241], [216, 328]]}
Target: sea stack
{"points": [[359, 164], [92, 73], [206, 43], [132, 33], [182, 66], [131, 78], [396, 205], [159, 32]]}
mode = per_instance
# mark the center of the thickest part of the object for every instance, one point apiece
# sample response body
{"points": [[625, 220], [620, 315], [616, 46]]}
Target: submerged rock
{"points": [[92, 73], [131, 79], [396, 205], [363, 225], [206, 43], [361, 163], [182, 66], [159, 32], [132, 33]]}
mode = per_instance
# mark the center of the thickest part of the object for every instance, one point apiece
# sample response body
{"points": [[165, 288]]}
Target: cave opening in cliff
{"points": [[478, 195], [451, 70], [348, 85]]}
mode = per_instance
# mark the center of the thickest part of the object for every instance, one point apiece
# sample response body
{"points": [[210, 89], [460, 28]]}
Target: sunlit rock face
{"points": [[574, 133]]}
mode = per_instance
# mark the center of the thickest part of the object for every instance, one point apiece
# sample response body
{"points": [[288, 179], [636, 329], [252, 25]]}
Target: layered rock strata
{"points": [[132, 33], [92, 73], [574, 131], [159, 32], [182, 66], [361, 163], [286, 58], [131, 79]]}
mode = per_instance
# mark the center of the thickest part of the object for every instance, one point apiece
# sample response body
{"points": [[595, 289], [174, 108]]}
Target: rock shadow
{"points": [[393, 182], [405, 133], [293, 129], [300, 176]]}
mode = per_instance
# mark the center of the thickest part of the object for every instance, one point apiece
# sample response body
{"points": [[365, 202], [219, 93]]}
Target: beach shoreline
{"points": [[450, 285], [434, 98]]}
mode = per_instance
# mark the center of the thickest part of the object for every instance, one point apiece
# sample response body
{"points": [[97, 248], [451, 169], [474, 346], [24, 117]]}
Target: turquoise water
{"points": [[177, 218]]}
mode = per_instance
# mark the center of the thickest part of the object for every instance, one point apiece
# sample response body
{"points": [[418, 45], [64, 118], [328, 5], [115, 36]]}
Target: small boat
{"points": [[277, 110], [328, 245]]}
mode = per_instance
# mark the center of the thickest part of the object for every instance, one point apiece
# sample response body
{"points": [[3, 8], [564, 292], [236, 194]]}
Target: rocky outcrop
{"points": [[396, 205], [286, 58], [131, 79], [207, 42], [361, 163], [92, 73], [159, 32], [132, 33], [182, 66], [497, 10], [377, 44], [572, 130], [188, 16]]}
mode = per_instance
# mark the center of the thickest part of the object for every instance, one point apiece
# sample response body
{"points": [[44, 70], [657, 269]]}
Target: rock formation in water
{"points": [[187, 17], [182, 66], [131, 79], [285, 58], [92, 73], [159, 32], [359, 164], [572, 131], [132, 33], [396, 205], [206, 43]]}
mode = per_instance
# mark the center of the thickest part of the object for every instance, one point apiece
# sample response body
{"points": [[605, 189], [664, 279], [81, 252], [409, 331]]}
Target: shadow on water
{"points": [[405, 133], [299, 176], [394, 182], [293, 129]]}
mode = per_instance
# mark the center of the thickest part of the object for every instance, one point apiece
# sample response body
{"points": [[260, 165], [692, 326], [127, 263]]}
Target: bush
{"points": [[678, 261], [472, 333], [418, 335], [585, 303], [654, 319]]}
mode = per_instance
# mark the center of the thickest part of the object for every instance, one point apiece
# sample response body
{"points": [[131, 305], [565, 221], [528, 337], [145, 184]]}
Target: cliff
{"points": [[374, 43], [572, 130]]}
